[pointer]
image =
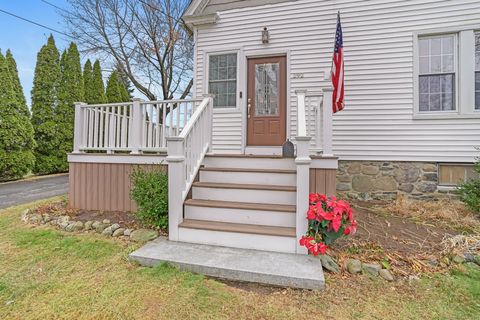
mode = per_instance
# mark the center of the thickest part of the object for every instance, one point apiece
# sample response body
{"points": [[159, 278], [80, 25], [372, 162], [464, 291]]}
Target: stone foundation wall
{"points": [[387, 179]]}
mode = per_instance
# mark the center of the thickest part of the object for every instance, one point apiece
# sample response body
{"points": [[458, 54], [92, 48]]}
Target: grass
{"points": [[48, 274]]}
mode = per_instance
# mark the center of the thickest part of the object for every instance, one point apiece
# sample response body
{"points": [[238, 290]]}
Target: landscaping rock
{"points": [[354, 266], [35, 218], [109, 230], [127, 232], [143, 235], [88, 225], [106, 221], [119, 232], [63, 219], [458, 259], [329, 264], [362, 183], [100, 227], [469, 257], [24, 215], [74, 226], [370, 170], [386, 274], [95, 224], [47, 218], [371, 269]]}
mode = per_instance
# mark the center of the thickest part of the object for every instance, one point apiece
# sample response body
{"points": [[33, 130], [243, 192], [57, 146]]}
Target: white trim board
{"points": [[118, 159]]}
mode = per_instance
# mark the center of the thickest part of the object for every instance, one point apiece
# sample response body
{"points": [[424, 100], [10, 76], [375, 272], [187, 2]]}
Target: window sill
{"points": [[446, 115]]}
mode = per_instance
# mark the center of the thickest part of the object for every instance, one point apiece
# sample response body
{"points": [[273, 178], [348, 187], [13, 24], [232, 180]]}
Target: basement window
{"points": [[452, 175]]}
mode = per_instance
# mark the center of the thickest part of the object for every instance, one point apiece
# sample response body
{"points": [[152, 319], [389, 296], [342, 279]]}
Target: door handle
{"points": [[249, 106]]}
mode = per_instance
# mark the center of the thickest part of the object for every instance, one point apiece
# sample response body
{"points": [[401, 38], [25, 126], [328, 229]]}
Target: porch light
{"points": [[265, 36]]}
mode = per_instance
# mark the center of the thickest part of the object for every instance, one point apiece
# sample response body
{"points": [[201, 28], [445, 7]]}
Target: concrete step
{"points": [[271, 268], [236, 235], [241, 212], [249, 161], [244, 193], [279, 177]]}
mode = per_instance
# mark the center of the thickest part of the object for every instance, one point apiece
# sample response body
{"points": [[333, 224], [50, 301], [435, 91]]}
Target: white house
{"points": [[410, 125]]}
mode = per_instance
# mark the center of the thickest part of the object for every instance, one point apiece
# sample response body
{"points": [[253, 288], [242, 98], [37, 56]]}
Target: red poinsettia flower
{"points": [[351, 229], [311, 213], [337, 223], [322, 214]]}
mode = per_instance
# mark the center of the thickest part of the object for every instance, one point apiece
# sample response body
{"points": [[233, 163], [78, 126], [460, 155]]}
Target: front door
{"points": [[266, 101]]}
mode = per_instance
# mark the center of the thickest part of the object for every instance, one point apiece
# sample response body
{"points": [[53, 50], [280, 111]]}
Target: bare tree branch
{"points": [[146, 39]]}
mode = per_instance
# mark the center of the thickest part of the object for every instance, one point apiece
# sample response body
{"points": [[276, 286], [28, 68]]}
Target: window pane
{"points": [[424, 65], [447, 102], [436, 64], [477, 90], [435, 46], [435, 102], [424, 87], [447, 63], [434, 84], [423, 47], [447, 45], [424, 102], [477, 52]]}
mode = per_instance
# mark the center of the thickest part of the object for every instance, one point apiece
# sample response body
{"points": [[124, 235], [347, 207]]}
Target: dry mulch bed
{"points": [[125, 219], [405, 246]]}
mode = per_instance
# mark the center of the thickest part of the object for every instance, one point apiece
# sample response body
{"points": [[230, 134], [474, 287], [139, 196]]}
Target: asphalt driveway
{"points": [[25, 191]]}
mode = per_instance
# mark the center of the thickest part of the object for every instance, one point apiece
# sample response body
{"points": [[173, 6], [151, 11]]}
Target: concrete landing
{"points": [[272, 268]]}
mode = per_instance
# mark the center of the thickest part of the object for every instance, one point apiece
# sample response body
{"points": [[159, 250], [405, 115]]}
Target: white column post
{"points": [[79, 130], [327, 125], [301, 125], [302, 161], [176, 183], [137, 125]]}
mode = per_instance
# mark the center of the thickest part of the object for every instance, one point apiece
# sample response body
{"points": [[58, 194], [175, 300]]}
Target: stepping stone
{"points": [[271, 268]]}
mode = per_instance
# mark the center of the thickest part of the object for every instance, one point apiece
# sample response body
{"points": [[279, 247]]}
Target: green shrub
{"points": [[150, 192], [470, 191]]}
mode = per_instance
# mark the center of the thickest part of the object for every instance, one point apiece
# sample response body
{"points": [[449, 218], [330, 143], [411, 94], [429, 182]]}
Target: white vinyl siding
{"points": [[378, 122]]}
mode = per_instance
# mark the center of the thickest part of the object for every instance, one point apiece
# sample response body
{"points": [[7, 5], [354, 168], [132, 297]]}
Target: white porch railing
{"points": [[185, 155], [310, 124], [318, 120], [134, 127]]}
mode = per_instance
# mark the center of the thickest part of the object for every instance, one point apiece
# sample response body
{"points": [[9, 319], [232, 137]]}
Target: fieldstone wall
{"points": [[385, 180]]}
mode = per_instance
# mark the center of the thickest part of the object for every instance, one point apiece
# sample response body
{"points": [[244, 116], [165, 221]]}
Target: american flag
{"points": [[337, 69]]}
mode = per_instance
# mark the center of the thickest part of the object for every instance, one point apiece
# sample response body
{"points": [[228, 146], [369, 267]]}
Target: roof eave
{"points": [[199, 20]]}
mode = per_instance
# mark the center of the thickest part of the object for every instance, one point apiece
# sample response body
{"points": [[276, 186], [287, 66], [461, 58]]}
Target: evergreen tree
{"points": [[98, 88], [16, 131], [116, 90], [44, 103], [70, 91], [88, 83], [17, 86], [126, 82]]}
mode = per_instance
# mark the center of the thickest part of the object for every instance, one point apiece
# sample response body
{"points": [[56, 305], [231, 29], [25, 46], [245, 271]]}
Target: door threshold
{"points": [[264, 150]]}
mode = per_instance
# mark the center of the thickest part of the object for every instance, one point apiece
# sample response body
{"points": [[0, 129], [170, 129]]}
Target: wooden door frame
{"points": [[286, 95], [248, 54]]}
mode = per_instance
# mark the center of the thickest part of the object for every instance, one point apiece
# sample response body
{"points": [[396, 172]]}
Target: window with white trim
{"points": [[222, 79], [437, 67], [477, 71]]}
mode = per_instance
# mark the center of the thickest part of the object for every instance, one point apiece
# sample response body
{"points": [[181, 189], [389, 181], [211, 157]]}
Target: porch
{"points": [[246, 201]]}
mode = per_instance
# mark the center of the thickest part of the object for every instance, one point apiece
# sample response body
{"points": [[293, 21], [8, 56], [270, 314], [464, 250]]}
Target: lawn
{"points": [[48, 274]]}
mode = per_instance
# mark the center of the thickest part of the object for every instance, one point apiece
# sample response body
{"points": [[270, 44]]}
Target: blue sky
{"points": [[25, 39]]}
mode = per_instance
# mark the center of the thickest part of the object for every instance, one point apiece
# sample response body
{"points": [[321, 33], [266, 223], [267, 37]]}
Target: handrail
{"points": [[185, 155]]}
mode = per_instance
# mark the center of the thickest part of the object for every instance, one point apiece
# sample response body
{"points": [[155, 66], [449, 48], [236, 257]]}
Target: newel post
{"points": [[302, 162], [176, 182], [78, 135], [327, 125], [210, 115], [135, 140]]}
